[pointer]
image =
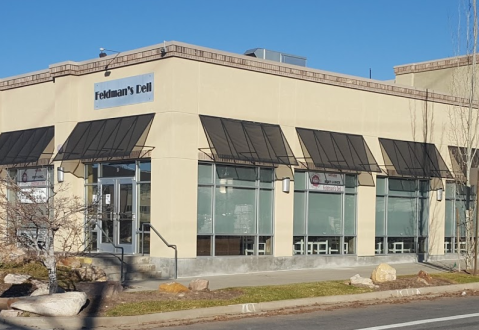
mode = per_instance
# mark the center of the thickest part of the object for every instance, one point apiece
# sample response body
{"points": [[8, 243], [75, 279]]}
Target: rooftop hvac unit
{"points": [[276, 56]]}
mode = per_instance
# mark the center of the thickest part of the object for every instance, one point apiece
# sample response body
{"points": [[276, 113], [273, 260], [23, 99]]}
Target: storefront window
{"points": [[145, 171], [235, 210], [116, 170], [402, 213], [324, 213], [455, 223], [35, 186], [91, 173]]}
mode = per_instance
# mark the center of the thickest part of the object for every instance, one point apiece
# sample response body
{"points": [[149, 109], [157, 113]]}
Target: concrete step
{"points": [[137, 276], [110, 260]]}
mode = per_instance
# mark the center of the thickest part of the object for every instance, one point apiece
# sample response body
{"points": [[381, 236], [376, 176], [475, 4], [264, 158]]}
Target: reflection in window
{"points": [[455, 223], [234, 207], [402, 213], [324, 213], [118, 170]]}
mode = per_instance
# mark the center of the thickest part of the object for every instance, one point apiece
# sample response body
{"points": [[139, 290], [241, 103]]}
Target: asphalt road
{"points": [[445, 313]]}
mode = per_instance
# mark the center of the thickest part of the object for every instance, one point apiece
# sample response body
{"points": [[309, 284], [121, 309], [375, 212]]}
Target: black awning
{"points": [[105, 138], [414, 159], [24, 146], [336, 151], [240, 140]]}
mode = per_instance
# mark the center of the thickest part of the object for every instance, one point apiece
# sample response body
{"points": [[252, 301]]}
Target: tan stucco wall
{"points": [[452, 81], [28, 107]]}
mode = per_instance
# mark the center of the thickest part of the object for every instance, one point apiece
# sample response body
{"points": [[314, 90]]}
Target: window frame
{"points": [[323, 244], [251, 244], [417, 243]]}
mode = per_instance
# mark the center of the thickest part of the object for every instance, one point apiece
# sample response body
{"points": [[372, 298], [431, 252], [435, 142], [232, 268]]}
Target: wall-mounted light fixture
{"points": [[439, 193], [60, 174], [286, 184]]}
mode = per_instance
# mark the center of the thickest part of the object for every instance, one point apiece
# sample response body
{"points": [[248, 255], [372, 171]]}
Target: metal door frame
{"points": [[106, 246]]}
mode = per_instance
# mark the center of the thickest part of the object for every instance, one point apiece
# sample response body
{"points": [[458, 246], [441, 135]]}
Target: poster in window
{"points": [[32, 177], [33, 195], [331, 182]]}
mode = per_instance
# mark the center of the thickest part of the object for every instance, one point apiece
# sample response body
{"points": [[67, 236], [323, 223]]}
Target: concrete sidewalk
{"points": [[293, 276], [255, 279]]}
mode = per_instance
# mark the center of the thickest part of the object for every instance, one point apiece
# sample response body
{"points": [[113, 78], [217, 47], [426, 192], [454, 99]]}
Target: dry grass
{"points": [[232, 296]]}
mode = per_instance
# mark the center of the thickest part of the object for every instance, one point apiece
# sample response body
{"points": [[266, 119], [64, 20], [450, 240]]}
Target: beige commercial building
{"points": [[245, 164]]}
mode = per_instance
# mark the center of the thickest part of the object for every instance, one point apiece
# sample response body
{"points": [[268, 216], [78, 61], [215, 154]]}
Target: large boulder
{"points": [[58, 304], [358, 280], [41, 288], [173, 287], [16, 278], [383, 273], [199, 285], [44, 290], [10, 313]]}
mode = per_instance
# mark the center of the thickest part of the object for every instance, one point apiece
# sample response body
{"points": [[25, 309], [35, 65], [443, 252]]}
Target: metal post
{"points": [[176, 263], [143, 239]]}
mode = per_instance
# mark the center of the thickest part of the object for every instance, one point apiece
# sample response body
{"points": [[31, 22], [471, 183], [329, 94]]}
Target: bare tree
{"points": [[41, 222], [464, 123]]}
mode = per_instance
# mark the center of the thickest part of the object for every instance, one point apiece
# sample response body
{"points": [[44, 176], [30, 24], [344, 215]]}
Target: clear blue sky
{"points": [[345, 36]]}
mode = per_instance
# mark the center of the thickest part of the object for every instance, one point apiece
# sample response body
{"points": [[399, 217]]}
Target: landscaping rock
{"points": [[16, 278], [100, 289], [358, 280], [13, 254], [44, 290], [173, 287], [199, 285], [41, 288], [383, 273], [71, 262], [91, 274], [10, 313], [424, 277], [58, 304]]}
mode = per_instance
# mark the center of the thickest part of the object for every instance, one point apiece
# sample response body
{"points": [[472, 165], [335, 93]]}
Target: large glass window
{"points": [[455, 223], [35, 186], [402, 213], [324, 213], [235, 210]]}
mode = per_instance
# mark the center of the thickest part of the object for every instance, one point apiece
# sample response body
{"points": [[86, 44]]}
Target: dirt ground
{"points": [[98, 306]]}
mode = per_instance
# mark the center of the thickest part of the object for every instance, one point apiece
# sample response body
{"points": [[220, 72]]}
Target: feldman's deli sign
{"points": [[131, 90], [326, 182]]}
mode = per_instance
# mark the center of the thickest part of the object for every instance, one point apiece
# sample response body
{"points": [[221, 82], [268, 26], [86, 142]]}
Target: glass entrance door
{"points": [[117, 217]]}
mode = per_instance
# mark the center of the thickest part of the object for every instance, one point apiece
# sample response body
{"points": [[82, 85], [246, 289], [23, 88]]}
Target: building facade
{"points": [[244, 164]]}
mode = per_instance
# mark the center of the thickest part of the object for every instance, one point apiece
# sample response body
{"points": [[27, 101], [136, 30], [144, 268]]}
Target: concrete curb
{"points": [[92, 322]]}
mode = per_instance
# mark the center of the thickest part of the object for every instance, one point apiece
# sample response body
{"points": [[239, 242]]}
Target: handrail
{"points": [[164, 241], [122, 276]]}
